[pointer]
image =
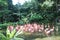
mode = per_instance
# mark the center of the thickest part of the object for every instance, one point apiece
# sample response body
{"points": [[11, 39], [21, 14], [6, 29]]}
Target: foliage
{"points": [[2, 37], [4, 25], [34, 11], [3, 10], [47, 4], [34, 14], [11, 33]]}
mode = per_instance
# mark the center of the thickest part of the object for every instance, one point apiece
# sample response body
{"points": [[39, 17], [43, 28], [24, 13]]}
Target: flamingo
{"points": [[42, 27], [48, 32], [10, 28], [17, 27], [52, 29], [35, 27]]}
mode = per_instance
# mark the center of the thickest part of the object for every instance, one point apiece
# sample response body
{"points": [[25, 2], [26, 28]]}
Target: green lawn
{"points": [[49, 38]]}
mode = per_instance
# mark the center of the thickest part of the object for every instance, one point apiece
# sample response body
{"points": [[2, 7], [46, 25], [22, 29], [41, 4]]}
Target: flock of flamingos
{"points": [[32, 28]]}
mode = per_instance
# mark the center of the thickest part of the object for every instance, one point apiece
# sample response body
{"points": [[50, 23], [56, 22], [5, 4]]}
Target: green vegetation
{"points": [[36, 11], [49, 38]]}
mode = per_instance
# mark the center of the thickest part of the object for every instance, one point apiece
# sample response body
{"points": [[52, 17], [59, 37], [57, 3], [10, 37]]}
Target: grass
{"points": [[49, 38], [54, 37]]}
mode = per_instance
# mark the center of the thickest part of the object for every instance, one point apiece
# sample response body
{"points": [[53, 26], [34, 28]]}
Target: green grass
{"points": [[49, 38]]}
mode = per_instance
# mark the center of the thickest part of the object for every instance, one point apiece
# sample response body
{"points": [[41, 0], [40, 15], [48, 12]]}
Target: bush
{"points": [[4, 26]]}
